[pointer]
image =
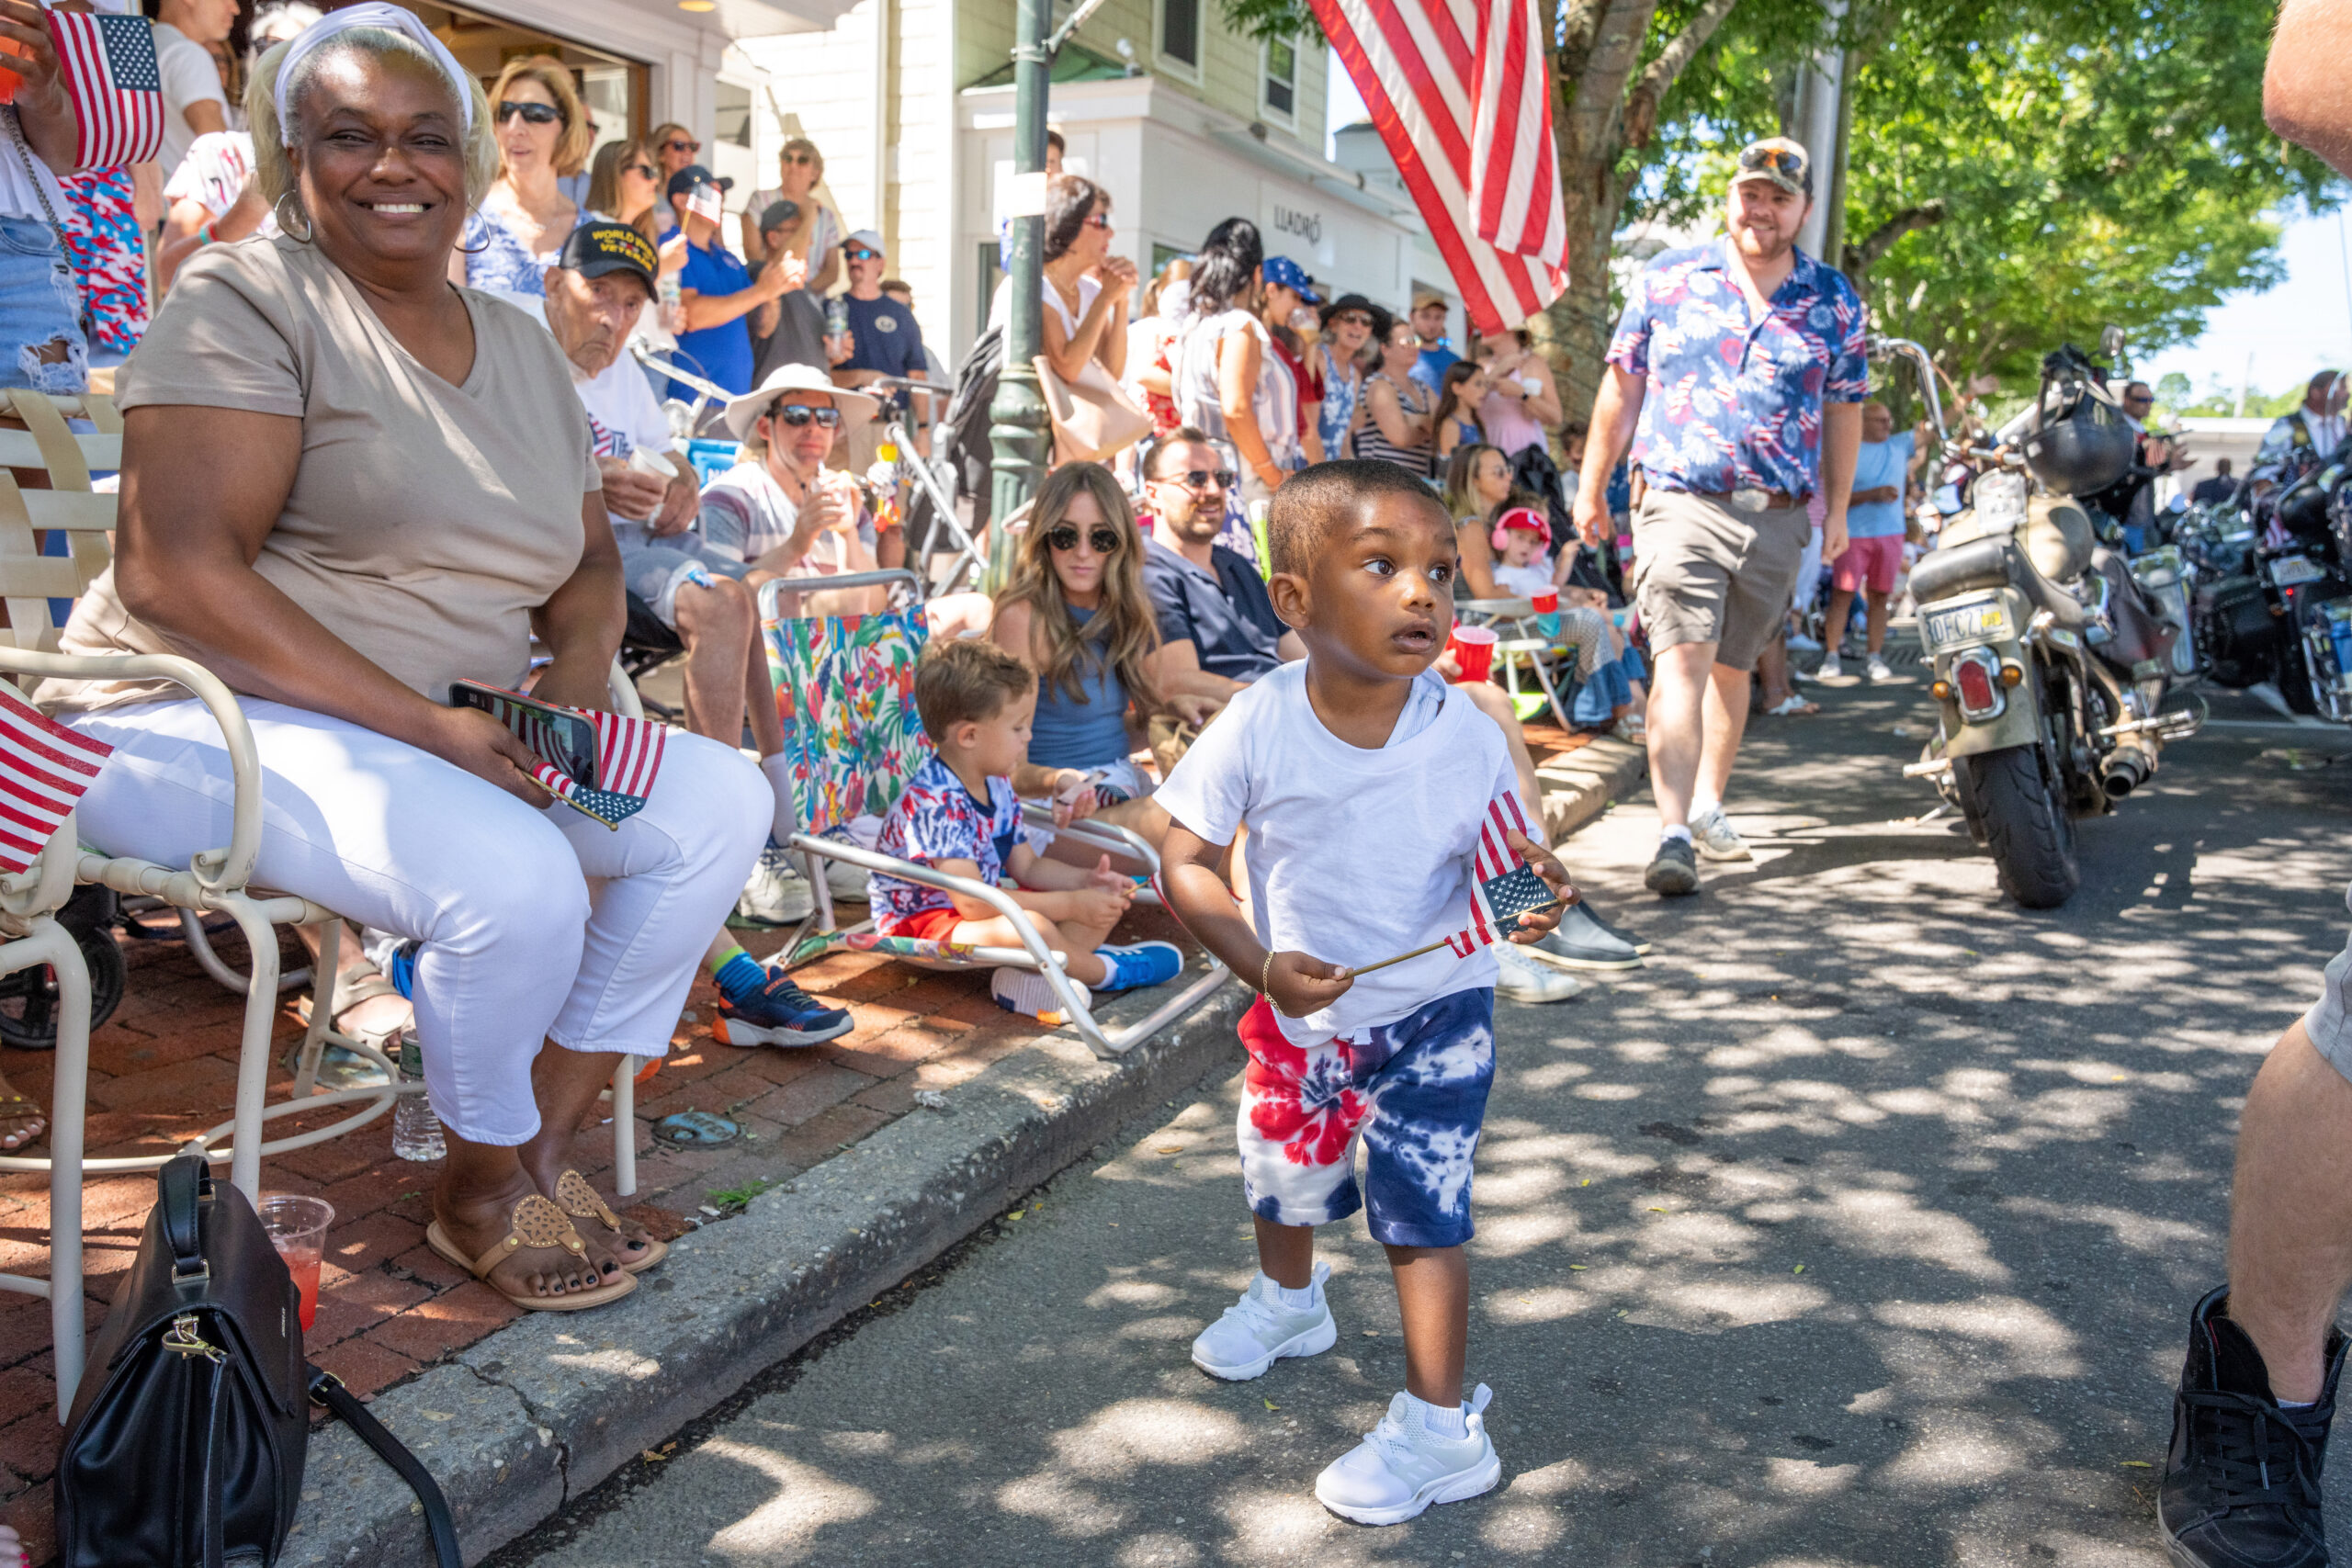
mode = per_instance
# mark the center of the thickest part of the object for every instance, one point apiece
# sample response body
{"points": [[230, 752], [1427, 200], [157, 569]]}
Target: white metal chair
{"points": [[1519, 637], [838, 734]]}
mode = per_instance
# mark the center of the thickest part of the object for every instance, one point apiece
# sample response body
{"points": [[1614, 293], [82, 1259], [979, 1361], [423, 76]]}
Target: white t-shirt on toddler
{"points": [[1354, 855]]}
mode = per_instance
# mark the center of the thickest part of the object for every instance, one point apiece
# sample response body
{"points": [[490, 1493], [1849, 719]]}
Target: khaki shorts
{"points": [[2329, 1023], [1704, 571]]}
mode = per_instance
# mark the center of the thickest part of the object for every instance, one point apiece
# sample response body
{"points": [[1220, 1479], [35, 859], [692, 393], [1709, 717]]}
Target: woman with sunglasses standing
{"points": [[816, 239], [543, 137], [1336, 366], [1075, 608]]}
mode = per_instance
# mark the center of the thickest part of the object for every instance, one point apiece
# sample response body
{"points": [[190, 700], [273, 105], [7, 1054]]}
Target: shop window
{"points": [[1179, 35], [1280, 72], [733, 121]]}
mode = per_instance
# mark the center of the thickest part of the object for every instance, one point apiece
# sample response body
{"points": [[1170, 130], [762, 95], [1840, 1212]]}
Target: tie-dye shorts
{"points": [[1416, 1090]]}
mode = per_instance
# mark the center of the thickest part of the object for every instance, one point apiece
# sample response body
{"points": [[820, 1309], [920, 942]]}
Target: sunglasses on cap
{"points": [[1201, 479], [674, 146], [533, 114], [1064, 539], [799, 416], [1772, 160]]}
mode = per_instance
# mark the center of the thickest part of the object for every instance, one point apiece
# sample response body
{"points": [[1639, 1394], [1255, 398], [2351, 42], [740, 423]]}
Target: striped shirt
{"points": [[1415, 400]]}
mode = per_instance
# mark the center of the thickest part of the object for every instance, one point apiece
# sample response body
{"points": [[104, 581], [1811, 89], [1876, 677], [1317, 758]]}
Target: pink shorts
{"points": [[1873, 561]]}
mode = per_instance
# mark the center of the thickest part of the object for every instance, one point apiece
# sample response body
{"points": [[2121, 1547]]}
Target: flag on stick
{"points": [[108, 65], [1461, 96], [1503, 887]]}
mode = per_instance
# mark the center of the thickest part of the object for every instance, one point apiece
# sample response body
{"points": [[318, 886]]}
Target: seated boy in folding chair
{"points": [[960, 817]]}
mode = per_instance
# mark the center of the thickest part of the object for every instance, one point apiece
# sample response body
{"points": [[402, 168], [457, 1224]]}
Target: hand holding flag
{"points": [[1517, 888]]}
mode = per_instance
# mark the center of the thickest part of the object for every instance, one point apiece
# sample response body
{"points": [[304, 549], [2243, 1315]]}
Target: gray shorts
{"points": [[1704, 571], [2329, 1023], [656, 568]]}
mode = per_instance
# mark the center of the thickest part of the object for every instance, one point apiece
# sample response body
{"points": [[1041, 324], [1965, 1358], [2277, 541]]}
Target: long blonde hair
{"points": [[1123, 633]]}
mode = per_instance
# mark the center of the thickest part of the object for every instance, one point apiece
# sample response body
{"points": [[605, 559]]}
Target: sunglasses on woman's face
{"points": [[1104, 541], [643, 171], [798, 158], [533, 114], [674, 146], [1350, 319], [1098, 221], [800, 415]]}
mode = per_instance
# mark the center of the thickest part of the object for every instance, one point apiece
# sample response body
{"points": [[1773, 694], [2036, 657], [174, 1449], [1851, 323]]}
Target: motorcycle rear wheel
{"points": [[2027, 825]]}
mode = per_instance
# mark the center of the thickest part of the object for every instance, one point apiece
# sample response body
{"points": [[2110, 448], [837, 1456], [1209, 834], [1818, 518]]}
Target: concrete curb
{"points": [[1580, 785], [536, 1414]]}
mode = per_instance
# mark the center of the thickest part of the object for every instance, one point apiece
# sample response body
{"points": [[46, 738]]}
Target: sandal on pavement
{"points": [[350, 994], [1791, 706], [534, 1221], [578, 1199], [18, 1109]]}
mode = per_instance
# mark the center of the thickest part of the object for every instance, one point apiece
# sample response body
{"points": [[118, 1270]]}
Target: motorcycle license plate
{"points": [[1964, 623], [2289, 570]]}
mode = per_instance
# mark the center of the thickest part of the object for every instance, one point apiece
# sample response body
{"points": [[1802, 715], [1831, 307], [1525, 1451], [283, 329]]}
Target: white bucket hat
{"points": [[742, 412]]}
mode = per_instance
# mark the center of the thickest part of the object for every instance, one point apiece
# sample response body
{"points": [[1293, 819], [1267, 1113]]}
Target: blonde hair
{"points": [[802, 144], [275, 171], [1124, 633], [574, 143]]}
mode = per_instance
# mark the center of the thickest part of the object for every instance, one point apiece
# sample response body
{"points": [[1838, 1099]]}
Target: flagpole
{"points": [[1368, 969]]}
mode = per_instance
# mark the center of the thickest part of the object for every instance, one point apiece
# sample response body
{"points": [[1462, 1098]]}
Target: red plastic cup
{"points": [[1473, 648], [1547, 602], [297, 1227]]}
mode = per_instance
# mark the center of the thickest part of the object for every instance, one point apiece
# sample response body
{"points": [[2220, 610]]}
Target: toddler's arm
{"points": [[1061, 892], [1293, 983]]}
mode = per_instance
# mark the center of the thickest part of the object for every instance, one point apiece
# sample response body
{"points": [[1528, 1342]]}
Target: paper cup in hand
{"points": [[1545, 603], [1473, 648], [652, 463]]}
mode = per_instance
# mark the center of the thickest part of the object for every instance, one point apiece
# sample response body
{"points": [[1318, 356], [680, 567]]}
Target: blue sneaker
{"points": [[1136, 964], [778, 1013]]}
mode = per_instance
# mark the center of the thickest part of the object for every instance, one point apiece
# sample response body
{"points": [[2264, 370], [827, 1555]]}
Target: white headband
{"points": [[374, 14]]}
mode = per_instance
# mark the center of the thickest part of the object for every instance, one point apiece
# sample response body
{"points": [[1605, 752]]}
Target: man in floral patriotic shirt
{"points": [[1741, 360]]}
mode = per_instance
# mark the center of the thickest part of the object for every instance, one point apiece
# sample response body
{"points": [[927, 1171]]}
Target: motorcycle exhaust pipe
{"points": [[2130, 765]]}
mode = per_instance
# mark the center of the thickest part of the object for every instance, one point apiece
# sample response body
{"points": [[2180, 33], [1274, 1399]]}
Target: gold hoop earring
{"points": [[285, 228]]}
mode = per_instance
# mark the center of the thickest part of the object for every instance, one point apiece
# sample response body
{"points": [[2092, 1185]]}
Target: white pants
{"points": [[514, 954]]}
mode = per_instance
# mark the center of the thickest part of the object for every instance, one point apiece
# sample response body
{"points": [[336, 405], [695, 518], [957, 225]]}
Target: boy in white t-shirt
{"points": [[1375, 795]]}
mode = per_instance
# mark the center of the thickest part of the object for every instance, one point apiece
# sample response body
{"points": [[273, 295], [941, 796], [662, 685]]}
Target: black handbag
{"points": [[187, 1434]]}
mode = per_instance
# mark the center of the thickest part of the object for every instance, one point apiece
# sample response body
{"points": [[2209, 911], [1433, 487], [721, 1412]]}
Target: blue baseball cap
{"points": [[1288, 274]]}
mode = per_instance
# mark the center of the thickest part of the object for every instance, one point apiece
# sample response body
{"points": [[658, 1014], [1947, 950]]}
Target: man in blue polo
{"points": [[1741, 360], [716, 290]]}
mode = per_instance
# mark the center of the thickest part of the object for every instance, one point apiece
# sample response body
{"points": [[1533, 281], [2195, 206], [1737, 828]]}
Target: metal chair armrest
{"points": [[217, 871]]}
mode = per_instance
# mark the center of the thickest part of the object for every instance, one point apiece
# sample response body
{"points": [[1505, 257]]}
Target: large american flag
{"points": [[108, 65], [45, 768], [1503, 887], [1461, 96]]}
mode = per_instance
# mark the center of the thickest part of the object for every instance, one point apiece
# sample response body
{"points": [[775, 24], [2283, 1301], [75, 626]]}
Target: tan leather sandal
{"points": [[578, 1199], [534, 1221]]}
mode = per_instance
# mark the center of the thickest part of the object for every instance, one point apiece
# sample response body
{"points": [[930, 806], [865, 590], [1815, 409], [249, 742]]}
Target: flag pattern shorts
{"points": [[1416, 1089]]}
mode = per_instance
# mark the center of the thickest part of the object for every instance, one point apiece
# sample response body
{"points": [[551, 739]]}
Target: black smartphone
{"points": [[561, 736]]}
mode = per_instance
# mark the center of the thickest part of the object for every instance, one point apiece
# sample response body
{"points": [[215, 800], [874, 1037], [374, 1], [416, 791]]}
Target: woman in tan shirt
{"points": [[347, 483]]}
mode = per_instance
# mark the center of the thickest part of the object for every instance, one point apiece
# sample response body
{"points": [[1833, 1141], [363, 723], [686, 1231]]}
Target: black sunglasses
{"points": [[1201, 479], [799, 414], [1352, 319], [1064, 539], [673, 145], [644, 169], [859, 252], [533, 114]]}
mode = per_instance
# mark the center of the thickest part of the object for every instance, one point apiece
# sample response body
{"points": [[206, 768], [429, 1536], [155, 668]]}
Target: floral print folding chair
{"points": [[845, 694]]}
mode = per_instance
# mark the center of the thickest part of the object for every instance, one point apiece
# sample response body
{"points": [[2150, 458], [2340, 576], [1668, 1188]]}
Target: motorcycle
{"points": [[2052, 657]]}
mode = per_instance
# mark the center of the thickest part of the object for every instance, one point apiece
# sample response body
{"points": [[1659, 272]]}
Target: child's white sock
{"points": [[1301, 1299], [778, 770], [1442, 1420]]}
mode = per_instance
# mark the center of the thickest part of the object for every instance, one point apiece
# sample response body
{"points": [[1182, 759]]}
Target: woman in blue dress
{"points": [[543, 137]]}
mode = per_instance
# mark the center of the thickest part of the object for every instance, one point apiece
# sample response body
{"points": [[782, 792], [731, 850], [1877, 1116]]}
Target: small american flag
{"points": [[45, 768], [627, 756], [108, 65], [1503, 886]]}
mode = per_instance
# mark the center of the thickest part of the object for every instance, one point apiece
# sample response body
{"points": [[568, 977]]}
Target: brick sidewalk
{"points": [[164, 1068]]}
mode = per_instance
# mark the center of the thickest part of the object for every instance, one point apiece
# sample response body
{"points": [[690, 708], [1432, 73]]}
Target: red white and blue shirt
{"points": [[1732, 403], [935, 819]]}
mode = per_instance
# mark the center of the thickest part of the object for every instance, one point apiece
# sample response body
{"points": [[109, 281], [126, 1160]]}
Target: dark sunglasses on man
{"points": [[533, 114], [800, 415], [1064, 539], [859, 252], [1201, 479]]}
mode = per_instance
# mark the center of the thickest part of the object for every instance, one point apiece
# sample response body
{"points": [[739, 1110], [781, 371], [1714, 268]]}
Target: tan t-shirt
{"points": [[426, 522]]}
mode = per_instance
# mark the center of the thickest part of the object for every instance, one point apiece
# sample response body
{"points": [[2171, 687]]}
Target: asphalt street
{"points": [[1860, 1228]]}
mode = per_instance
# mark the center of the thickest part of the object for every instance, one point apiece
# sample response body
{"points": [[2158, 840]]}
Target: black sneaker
{"points": [[1580, 941], [2241, 1486], [1675, 871]]}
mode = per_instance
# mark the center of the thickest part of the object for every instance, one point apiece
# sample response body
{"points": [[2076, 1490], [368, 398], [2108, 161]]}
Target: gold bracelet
{"points": [[1265, 979]]}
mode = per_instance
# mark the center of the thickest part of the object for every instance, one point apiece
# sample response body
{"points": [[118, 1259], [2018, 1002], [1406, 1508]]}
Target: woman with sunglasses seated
{"points": [[1076, 609], [543, 137], [783, 513]]}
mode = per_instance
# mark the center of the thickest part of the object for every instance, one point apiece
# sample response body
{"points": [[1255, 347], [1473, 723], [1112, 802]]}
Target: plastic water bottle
{"points": [[416, 1130]]}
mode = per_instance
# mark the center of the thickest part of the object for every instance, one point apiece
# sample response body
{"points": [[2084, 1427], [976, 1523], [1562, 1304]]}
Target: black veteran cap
{"points": [[595, 249]]}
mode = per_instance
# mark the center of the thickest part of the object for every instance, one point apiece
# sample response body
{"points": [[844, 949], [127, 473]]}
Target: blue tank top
{"points": [[1083, 733]]}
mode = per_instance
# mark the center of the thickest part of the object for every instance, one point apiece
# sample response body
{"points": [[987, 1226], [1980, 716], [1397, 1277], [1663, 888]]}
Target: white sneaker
{"points": [[1877, 669], [777, 895], [1524, 980], [1715, 835], [1800, 643], [1258, 1330], [1401, 1467], [1030, 995], [1830, 669], [847, 882]]}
